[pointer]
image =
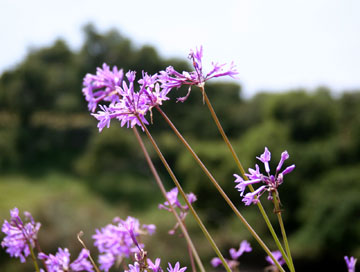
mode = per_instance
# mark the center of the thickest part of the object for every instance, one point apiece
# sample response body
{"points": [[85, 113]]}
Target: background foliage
{"points": [[55, 164]]}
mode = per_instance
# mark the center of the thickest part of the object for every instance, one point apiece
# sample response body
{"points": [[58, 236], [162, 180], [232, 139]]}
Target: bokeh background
{"points": [[298, 90]]}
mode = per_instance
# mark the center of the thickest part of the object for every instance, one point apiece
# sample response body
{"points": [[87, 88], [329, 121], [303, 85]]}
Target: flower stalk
{"points": [[218, 187], [242, 171], [192, 249], [37, 245], [277, 210], [196, 216], [33, 257]]}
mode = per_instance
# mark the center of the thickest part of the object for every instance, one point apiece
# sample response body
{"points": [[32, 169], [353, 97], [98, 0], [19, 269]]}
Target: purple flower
{"points": [[350, 263], [271, 182], [278, 257], [132, 105], [172, 196], [215, 262], [61, 261], [244, 247], [235, 254], [155, 267], [151, 88], [241, 186], [106, 261], [176, 268], [119, 240], [102, 86], [284, 157], [255, 174], [82, 263], [19, 235], [265, 158], [150, 229], [134, 268], [191, 198], [173, 79], [253, 197], [104, 117]]}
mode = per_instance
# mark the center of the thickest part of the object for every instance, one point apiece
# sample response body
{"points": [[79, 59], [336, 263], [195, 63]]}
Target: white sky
{"points": [[276, 44]]}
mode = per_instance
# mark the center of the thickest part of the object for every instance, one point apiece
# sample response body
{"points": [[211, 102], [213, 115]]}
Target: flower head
{"points": [[131, 106], [119, 240], [271, 182], [19, 235], [102, 86], [61, 261], [350, 262], [170, 78]]}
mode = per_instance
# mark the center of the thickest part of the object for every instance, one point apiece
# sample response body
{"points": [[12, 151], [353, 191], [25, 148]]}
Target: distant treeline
{"points": [[45, 124]]}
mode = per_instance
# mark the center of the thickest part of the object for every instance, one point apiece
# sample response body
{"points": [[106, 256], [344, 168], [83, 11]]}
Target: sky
{"points": [[276, 45]]}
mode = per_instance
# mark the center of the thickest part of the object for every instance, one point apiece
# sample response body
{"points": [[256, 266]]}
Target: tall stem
{"points": [[218, 187], [33, 257], [173, 177], [38, 248], [191, 246], [276, 202], [239, 165], [191, 259]]}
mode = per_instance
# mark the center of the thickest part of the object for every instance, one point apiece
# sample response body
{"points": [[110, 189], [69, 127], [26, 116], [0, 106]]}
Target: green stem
{"points": [[218, 187], [173, 177], [276, 202], [239, 165], [163, 191], [33, 257], [38, 248]]}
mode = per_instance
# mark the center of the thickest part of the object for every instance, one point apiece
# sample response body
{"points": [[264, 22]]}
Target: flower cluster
{"points": [[102, 86], [271, 182], [129, 105], [172, 196], [234, 254], [115, 242], [170, 78], [61, 261], [119, 240], [20, 236]]}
